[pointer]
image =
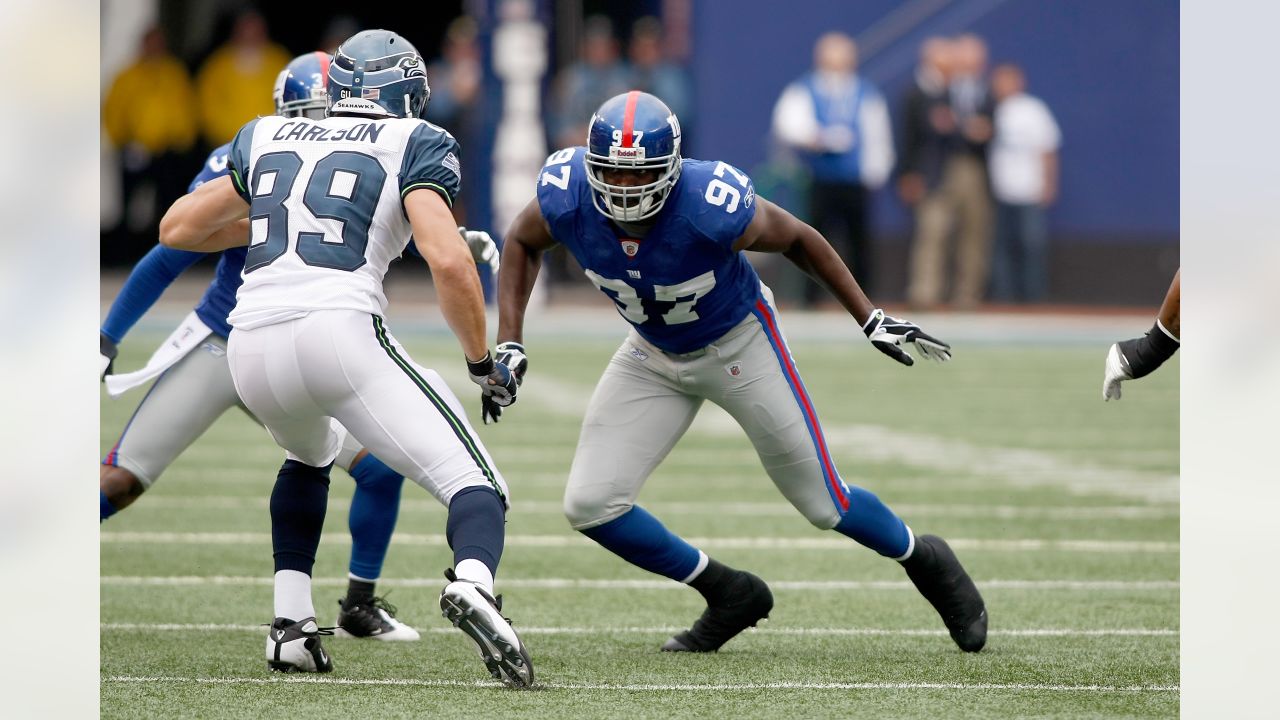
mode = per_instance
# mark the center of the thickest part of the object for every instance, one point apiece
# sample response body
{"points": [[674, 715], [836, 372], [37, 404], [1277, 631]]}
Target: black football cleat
{"points": [[295, 646], [747, 602], [940, 577], [375, 619]]}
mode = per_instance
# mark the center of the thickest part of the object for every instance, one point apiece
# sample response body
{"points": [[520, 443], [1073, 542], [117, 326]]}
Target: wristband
{"points": [[1149, 352], [482, 367]]}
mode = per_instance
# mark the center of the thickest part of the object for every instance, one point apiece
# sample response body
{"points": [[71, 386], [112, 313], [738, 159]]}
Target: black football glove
{"points": [[497, 386], [107, 356], [887, 333]]}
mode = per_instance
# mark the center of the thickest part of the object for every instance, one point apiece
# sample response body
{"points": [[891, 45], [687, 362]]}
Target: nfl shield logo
{"points": [[734, 369], [630, 246]]}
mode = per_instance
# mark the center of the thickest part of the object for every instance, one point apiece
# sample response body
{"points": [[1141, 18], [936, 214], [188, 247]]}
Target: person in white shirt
{"points": [[839, 124], [1023, 160]]}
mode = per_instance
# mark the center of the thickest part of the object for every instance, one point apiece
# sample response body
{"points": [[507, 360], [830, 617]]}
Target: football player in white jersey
{"points": [[327, 204]]}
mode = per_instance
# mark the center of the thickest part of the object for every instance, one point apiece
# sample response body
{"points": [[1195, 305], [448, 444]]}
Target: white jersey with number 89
{"points": [[326, 209]]}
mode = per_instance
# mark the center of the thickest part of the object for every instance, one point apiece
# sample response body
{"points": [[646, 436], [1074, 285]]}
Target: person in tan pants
{"points": [[955, 126]]}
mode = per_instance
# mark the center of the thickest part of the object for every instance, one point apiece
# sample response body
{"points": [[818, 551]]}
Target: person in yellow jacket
{"points": [[149, 115], [235, 83]]}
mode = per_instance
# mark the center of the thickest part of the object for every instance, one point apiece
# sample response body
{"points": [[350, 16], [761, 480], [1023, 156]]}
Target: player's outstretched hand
{"points": [[887, 334], [1116, 371], [107, 356], [483, 249], [497, 386], [512, 355]]}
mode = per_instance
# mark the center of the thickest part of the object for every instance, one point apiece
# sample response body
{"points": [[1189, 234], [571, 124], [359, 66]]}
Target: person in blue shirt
{"points": [[194, 386], [663, 237]]}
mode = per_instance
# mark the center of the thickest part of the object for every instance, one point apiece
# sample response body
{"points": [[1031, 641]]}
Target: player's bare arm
{"points": [[527, 239], [435, 233], [775, 230], [211, 218]]}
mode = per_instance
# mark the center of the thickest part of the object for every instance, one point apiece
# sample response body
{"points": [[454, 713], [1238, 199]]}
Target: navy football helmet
{"points": [[302, 87], [633, 131], [377, 72]]}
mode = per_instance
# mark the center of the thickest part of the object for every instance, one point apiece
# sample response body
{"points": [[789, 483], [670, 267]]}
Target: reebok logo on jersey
{"points": [[639, 354], [451, 161], [213, 350]]}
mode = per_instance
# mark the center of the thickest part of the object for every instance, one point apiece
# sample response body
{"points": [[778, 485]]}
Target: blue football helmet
{"points": [[377, 72], [633, 131], [302, 87]]}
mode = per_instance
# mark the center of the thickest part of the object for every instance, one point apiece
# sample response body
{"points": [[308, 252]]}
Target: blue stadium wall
{"points": [[1108, 70]]}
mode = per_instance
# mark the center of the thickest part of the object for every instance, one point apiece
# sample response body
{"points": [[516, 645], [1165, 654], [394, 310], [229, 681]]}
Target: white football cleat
{"points": [[476, 613], [295, 646]]}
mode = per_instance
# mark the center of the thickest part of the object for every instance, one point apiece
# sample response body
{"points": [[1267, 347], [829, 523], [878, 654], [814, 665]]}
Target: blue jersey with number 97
{"points": [[682, 285]]}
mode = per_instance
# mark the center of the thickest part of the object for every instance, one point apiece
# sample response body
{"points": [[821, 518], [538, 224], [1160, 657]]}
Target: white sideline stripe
{"points": [[1032, 632], [753, 509], [718, 543], [581, 584], [326, 680]]}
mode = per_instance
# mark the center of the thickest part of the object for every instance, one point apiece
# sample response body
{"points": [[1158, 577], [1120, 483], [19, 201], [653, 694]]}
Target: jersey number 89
{"points": [[344, 186]]}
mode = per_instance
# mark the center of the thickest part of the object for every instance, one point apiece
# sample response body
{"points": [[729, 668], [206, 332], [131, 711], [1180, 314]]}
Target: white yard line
{"points": [[583, 584], [610, 630], [329, 680], [735, 509], [1011, 466], [716, 543]]}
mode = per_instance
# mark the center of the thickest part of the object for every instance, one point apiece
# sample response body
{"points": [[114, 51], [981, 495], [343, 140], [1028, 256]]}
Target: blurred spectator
{"points": [[1024, 181], [236, 81], [928, 129], [456, 80], [953, 195], [585, 85], [653, 73], [839, 124], [149, 116], [339, 29]]}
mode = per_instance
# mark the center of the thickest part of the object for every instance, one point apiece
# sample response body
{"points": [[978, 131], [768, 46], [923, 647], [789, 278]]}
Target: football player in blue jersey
{"points": [[194, 385], [663, 237]]}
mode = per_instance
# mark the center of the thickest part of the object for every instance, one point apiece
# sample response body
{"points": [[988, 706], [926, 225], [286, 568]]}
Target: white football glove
{"points": [[887, 333], [1117, 371], [483, 249]]}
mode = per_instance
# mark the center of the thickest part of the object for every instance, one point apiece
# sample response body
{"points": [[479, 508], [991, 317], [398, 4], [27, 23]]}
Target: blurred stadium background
{"points": [[1114, 92], [1067, 508]]}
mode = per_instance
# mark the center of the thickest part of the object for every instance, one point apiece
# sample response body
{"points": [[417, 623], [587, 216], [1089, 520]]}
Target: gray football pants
{"points": [[646, 400], [180, 406]]}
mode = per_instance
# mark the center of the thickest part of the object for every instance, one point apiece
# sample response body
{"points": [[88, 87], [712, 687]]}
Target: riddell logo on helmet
{"points": [[627, 153]]}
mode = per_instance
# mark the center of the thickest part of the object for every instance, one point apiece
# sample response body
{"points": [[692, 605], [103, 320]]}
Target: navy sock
{"points": [[872, 523], [105, 508], [640, 539], [476, 529], [297, 514], [374, 508]]}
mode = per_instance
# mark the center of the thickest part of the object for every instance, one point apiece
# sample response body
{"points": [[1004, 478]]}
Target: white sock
{"points": [[293, 595], [473, 570]]}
